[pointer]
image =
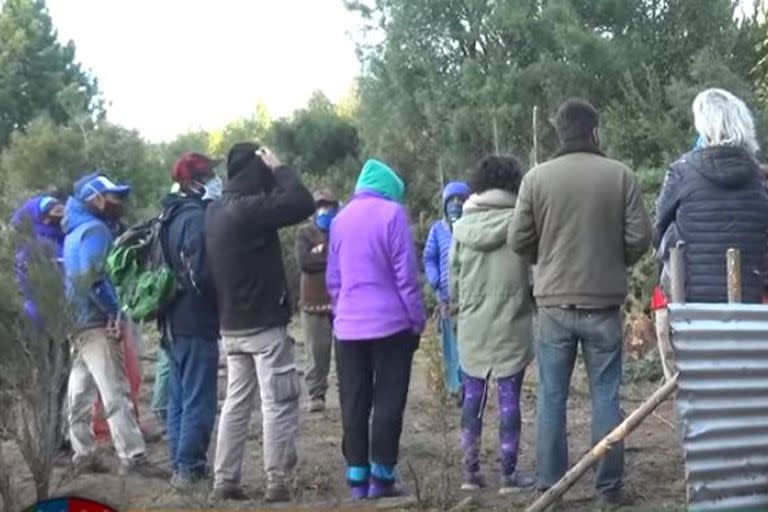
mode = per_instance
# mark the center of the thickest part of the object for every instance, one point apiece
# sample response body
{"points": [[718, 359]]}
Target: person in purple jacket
{"points": [[41, 214], [372, 280], [38, 222]]}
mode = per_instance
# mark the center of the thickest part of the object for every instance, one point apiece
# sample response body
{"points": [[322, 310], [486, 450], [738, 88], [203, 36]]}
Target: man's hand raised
{"points": [[269, 158]]}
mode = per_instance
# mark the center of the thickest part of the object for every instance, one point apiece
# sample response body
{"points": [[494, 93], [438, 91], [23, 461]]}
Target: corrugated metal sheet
{"points": [[722, 356]]}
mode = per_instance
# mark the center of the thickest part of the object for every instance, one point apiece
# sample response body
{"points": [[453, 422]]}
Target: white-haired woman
{"points": [[713, 199]]}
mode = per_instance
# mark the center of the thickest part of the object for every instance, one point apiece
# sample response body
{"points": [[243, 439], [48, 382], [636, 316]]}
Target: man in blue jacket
{"points": [[437, 267], [190, 327], [96, 203]]}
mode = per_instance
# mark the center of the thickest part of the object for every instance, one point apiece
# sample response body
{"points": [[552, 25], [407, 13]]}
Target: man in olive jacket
{"points": [[581, 220]]}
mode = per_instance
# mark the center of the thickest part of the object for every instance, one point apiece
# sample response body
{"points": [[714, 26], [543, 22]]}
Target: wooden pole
{"points": [[604, 446], [733, 265], [535, 129], [677, 271], [495, 134]]}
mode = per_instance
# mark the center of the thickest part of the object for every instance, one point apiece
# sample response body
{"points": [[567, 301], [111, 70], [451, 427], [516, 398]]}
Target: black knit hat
{"points": [[246, 167]]}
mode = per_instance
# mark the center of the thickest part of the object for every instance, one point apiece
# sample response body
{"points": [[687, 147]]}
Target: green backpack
{"points": [[137, 265]]}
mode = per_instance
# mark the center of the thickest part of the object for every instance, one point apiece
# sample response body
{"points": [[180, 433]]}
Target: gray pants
{"points": [[319, 336], [264, 361], [98, 365]]}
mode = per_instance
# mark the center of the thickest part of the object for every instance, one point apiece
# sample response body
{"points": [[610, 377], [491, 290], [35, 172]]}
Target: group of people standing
{"points": [[536, 265], [524, 265], [552, 244]]}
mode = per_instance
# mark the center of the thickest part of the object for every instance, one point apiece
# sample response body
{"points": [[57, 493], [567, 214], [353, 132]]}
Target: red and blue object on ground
{"points": [[69, 505]]}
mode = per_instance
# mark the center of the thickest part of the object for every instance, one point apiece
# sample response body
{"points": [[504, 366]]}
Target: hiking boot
{"points": [[317, 404], [613, 500], [186, 481], [473, 482], [359, 492], [379, 489], [89, 464], [141, 466], [277, 492], [516, 483], [228, 493]]}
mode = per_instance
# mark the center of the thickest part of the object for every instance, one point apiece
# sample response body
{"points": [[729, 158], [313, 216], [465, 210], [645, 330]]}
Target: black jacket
{"points": [[715, 199], [193, 312], [244, 249]]}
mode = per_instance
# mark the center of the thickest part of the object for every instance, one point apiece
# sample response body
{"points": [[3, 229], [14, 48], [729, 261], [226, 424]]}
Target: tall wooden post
{"points": [[733, 266], [677, 271], [535, 130]]}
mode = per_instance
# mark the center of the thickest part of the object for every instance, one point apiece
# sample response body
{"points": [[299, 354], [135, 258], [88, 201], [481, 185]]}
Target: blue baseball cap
{"points": [[98, 183]]}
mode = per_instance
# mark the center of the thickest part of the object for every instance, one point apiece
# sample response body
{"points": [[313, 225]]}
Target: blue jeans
{"points": [[194, 366], [451, 370], [558, 334]]}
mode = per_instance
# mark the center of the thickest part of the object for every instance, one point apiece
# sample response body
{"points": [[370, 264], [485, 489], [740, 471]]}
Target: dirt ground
{"points": [[430, 460]]}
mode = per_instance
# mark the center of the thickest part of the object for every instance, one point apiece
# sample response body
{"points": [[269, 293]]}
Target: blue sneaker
{"points": [[359, 492], [379, 489]]}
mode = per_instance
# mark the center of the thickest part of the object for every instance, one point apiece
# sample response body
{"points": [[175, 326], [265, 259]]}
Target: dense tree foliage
{"points": [[35, 68], [443, 83], [454, 79]]}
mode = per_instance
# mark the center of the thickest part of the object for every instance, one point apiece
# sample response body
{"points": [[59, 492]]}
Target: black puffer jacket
{"points": [[715, 198], [243, 245]]}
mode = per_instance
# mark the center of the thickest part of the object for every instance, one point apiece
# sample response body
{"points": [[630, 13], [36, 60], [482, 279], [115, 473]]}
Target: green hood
{"points": [[379, 177], [486, 220]]}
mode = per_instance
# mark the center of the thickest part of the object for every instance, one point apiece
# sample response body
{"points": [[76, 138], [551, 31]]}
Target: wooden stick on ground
{"points": [[604, 446]]}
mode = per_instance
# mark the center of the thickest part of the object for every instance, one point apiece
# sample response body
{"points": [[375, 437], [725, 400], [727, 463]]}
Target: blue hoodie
{"points": [[438, 246], [86, 246]]}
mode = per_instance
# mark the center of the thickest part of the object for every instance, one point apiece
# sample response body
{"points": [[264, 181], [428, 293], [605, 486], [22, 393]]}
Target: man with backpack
{"points": [[245, 258], [190, 325], [96, 203]]}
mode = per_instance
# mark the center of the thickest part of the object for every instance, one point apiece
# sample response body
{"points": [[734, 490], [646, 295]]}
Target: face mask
{"points": [[212, 189], [453, 211], [323, 219], [52, 220], [112, 210]]}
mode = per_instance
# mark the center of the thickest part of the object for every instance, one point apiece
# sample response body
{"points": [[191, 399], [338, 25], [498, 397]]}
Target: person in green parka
{"points": [[492, 295]]}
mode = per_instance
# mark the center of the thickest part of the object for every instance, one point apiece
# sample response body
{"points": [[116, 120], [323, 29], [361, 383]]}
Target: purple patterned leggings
{"points": [[475, 395]]}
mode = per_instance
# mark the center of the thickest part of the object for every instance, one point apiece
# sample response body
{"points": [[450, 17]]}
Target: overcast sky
{"points": [[166, 66]]}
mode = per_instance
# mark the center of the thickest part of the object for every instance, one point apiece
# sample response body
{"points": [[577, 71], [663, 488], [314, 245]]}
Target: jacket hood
{"points": [[247, 173], [178, 200], [76, 213], [486, 221], [31, 211], [455, 189], [729, 167], [379, 177]]}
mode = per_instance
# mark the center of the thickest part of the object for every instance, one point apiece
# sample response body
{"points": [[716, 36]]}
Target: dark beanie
{"points": [[246, 171], [240, 156]]}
